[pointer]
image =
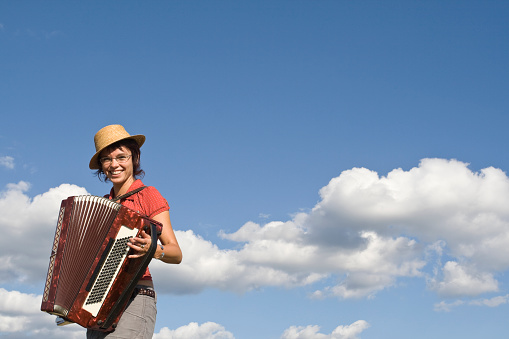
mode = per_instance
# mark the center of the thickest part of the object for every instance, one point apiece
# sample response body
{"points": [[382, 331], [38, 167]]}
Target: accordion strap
{"points": [[128, 194]]}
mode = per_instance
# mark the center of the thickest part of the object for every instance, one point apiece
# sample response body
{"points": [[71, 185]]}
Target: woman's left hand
{"points": [[140, 244]]}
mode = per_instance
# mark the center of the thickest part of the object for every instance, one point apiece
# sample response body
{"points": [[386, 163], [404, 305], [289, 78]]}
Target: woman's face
{"points": [[114, 164]]}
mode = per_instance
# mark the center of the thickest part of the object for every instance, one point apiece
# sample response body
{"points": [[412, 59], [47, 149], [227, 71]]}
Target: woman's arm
{"points": [[172, 252]]}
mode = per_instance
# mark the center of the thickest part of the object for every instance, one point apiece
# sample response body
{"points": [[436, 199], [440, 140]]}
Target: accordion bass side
{"points": [[90, 279]]}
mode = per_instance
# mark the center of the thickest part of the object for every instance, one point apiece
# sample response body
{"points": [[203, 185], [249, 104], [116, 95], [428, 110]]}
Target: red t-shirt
{"points": [[148, 202]]}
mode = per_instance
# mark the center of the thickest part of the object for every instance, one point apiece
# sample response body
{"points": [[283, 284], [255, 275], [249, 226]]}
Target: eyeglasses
{"points": [[106, 161]]}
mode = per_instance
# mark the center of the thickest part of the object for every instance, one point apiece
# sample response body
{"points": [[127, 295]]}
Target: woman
{"points": [[117, 159]]}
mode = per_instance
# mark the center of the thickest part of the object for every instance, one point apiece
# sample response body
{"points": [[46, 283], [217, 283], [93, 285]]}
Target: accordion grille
{"points": [[89, 223], [109, 271]]}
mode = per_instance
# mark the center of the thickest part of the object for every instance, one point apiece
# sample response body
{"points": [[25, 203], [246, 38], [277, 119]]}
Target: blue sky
{"points": [[335, 169]]}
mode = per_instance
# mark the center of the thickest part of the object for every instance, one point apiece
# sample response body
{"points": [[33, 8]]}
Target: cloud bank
{"points": [[439, 221]]}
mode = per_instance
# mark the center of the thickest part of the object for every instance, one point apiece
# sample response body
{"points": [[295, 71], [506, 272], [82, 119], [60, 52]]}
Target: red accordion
{"points": [[90, 279]]}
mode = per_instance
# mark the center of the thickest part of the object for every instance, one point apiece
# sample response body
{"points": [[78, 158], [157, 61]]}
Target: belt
{"points": [[143, 291]]}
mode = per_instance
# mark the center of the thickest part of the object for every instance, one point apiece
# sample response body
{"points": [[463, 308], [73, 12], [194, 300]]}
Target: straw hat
{"points": [[109, 135]]}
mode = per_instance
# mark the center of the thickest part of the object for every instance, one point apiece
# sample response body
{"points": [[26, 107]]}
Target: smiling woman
{"points": [[117, 159], [116, 167]]}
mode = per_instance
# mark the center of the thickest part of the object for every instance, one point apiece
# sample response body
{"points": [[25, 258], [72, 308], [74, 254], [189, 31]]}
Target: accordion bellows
{"points": [[90, 279]]}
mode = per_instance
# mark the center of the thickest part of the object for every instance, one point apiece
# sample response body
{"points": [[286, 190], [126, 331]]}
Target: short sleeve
{"points": [[152, 202]]}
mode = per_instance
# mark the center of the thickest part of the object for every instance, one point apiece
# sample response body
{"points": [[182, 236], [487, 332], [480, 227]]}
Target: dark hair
{"points": [[133, 146]]}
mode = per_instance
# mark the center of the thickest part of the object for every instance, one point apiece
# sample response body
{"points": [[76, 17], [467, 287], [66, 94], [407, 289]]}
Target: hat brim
{"points": [[94, 163]]}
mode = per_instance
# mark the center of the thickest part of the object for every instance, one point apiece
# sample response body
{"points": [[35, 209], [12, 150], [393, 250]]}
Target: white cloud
{"points": [[492, 302], [264, 216], [444, 306], [205, 266], [7, 161], [16, 302], [375, 229], [20, 317], [29, 224], [311, 332], [279, 256], [52, 34], [208, 330], [462, 281]]}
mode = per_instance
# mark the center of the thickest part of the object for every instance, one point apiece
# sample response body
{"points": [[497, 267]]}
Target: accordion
{"points": [[90, 279]]}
